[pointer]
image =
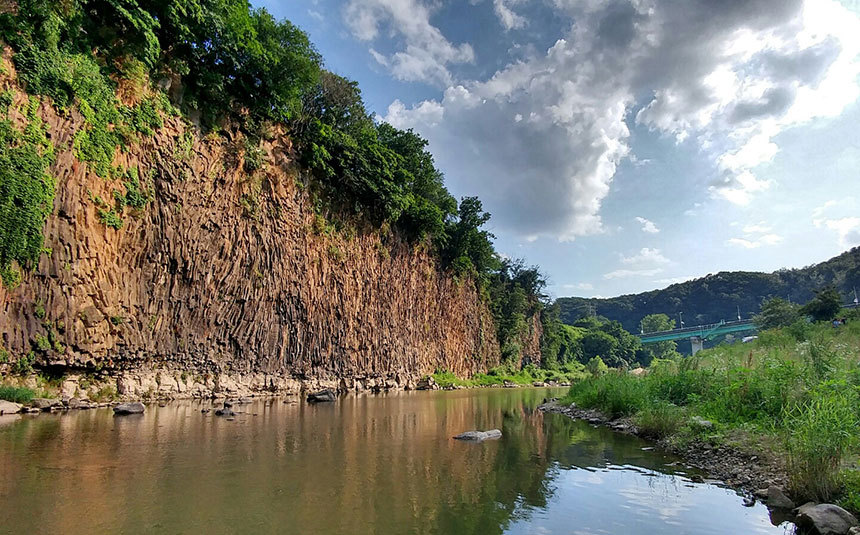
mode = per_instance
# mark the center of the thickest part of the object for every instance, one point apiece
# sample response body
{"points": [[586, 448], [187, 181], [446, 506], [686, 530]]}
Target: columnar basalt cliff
{"points": [[228, 275]]}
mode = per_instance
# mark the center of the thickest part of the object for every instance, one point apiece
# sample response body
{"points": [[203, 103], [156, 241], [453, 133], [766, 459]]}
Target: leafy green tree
{"points": [[824, 306], [596, 367], [627, 344], [600, 344], [776, 312], [662, 350]]}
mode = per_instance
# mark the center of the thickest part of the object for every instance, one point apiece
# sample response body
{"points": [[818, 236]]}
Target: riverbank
{"points": [[781, 411], [40, 391], [739, 468]]}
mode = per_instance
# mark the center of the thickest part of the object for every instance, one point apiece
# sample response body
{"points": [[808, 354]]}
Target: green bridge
{"points": [[697, 335]]}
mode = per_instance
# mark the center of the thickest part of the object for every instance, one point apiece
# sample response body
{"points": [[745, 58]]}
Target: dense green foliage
{"points": [[800, 386], [500, 375], [656, 323], [16, 394], [825, 306], [718, 297], [26, 191], [776, 312]]}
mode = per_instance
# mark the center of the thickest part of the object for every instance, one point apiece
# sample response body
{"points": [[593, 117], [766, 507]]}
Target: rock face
{"points": [[322, 396], [825, 519], [479, 435], [129, 408], [228, 273]]}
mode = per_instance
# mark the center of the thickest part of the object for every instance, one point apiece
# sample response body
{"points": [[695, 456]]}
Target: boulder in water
{"points": [[427, 383], [8, 407], [44, 404], [825, 519], [776, 498], [479, 436], [129, 408], [322, 396]]}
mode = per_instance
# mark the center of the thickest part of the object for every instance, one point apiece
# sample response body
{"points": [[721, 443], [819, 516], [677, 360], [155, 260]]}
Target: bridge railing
{"points": [[697, 329]]}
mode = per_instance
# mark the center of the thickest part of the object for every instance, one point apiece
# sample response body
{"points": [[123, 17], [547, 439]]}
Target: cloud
{"points": [[648, 226], [507, 17], [578, 286], [646, 256], [758, 228], [540, 140], [767, 239], [426, 54], [626, 273], [847, 230], [646, 263]]}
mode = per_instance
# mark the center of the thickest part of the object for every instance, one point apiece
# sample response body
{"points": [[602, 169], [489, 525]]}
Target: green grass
{"points": [[498, 376], [16, 394], [796, 388]]}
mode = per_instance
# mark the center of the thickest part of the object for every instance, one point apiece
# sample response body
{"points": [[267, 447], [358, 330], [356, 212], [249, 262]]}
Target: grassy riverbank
{"points": [[794, 394], [569, 373]]}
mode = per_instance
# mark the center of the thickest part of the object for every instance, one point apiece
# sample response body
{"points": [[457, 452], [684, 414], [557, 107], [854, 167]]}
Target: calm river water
{"points": [[381, 464]]}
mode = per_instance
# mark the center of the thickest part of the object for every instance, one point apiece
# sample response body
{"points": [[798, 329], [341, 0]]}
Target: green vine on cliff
{"points": [[26, 190]]}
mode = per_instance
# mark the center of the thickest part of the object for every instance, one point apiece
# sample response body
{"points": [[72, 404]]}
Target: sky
{"points": [[623, 145]]}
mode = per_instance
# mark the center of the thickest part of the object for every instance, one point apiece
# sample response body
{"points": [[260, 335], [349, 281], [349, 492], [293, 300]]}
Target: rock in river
{"points": [[44, 404], [7, 407], [825, 518], [129, 408], [321, 396], [776, 499], [479, 435]]}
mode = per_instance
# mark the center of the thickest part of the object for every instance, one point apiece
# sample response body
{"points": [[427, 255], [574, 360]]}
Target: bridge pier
{"points": [[698, 344]]}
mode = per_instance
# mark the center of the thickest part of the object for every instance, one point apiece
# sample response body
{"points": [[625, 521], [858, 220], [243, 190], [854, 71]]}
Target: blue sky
{"points": [[623, 145]]}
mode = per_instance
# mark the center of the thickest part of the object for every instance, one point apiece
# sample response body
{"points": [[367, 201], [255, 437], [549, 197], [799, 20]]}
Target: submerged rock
{"points": [[8, 407], [479, 435], [129, 408], [825, 518], [226, 410], [322, 396]]}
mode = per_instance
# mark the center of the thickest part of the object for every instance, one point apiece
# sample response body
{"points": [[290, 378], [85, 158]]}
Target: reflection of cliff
{"points": [[365, 465], [230, 270]]}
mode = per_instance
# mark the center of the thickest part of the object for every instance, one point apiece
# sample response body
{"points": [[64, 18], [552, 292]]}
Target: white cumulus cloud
{"points": [[540, 140], [648, 226], [426, 54]]}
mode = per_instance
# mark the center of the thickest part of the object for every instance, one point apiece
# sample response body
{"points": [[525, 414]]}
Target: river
{"points": [[383, 464]]}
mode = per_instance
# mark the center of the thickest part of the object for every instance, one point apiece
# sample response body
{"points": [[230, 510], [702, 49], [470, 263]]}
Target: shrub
{"points": [[16, 394], [850, 498], [596, 367]]}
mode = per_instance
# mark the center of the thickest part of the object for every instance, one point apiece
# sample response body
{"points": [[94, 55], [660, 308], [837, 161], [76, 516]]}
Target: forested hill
{"points": [[716, 297]]}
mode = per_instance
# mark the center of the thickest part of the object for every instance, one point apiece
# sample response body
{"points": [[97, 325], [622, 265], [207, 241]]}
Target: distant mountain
{"points": [[716, 297]]}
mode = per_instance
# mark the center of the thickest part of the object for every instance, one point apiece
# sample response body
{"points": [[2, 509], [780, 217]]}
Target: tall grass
{"points": [[817, 435]]}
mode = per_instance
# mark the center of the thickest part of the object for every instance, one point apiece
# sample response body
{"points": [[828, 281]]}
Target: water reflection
{"points": [[368, 464]]}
